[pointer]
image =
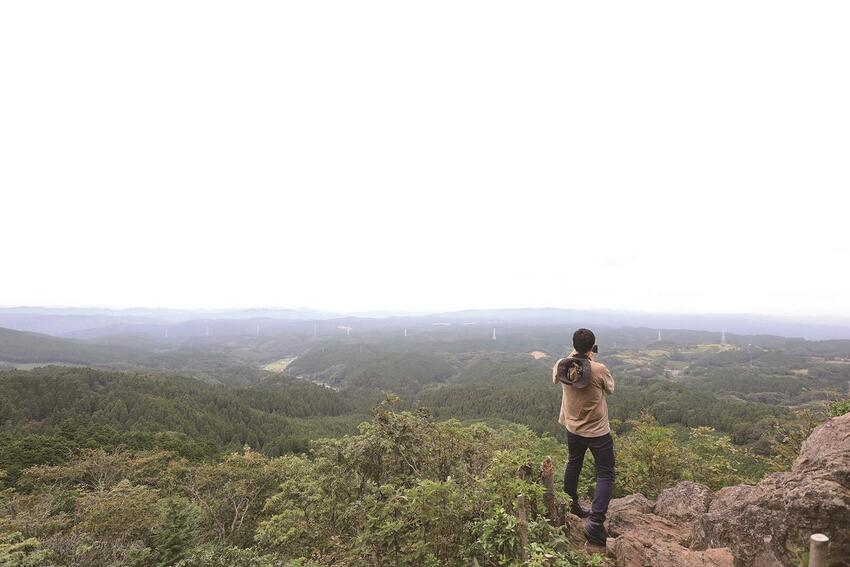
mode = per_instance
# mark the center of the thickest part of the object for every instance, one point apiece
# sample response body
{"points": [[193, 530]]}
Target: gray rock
{"points": [[772, 521], [633, 550], [826, 453], [766, 525], [730, 496], [684, 502], [632, 521], [637, 502], [643, 539]]}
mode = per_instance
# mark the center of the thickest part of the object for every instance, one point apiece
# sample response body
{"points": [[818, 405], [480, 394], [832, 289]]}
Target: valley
{"points": [[189, 423]]}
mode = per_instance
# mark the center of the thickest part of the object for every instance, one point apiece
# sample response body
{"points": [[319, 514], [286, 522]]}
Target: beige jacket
{"points": [[584, 411]]}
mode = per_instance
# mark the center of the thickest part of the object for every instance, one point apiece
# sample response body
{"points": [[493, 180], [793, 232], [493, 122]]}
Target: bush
{"points": [[22, 552], [839, 408]]}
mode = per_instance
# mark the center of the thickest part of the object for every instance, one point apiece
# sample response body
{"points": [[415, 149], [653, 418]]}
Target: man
{"points": [[584, 412]]}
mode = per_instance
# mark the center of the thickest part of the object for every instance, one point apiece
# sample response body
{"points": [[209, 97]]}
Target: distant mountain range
{"points": [[742, 324], [89, 323]]}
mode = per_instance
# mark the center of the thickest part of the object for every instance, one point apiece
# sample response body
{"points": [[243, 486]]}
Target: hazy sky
{"points": [[674, 156]]}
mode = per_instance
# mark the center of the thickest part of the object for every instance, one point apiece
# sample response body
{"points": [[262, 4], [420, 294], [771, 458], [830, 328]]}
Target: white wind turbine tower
{"points": [[659, 335], [723, 336], [166, 332], [494, 333], [405, 331]]}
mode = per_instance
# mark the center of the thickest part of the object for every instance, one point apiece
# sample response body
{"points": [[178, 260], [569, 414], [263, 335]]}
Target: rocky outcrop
{"points": [[763, 525], [633, 515], [726, 497], [685, 502], [770, 523], [658, 534], [826, 453], [636, 550]]}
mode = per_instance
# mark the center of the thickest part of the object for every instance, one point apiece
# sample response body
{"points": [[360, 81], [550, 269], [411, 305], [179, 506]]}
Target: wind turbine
{"points": [[494, 333], [659, 335], [405, 331]]}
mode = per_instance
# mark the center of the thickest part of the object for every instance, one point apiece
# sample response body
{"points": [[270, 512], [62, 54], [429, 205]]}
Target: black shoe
{"points": [[595, 532], [576, 509]]}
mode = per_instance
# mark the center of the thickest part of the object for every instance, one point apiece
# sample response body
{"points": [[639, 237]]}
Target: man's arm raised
{"points": [[607, 381], [555, 371]]}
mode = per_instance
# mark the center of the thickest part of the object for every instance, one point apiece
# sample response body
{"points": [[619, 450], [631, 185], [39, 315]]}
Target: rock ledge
{"points": [[765, 525]]}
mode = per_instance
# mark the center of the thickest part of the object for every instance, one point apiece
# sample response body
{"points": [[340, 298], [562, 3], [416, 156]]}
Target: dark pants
{"points": [[602, 449]]}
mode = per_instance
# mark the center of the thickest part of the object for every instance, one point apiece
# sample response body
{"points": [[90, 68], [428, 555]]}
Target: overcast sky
{"points": [[657, 156]]}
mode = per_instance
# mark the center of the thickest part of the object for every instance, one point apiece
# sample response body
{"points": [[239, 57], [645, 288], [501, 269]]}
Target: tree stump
{"points": [[522, 527], [547, 475]]}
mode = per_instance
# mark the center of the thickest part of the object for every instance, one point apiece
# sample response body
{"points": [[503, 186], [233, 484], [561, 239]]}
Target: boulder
{"points": [[826, 453], [637, 502], [684, 502], [766, 525], [644, 550], [633, 515], [640, 538], [776, 518], [729, 496], [770, 523]]}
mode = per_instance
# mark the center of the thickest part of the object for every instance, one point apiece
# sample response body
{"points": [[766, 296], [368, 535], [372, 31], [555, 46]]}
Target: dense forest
{"points": [[406, 490], [304, 450]]}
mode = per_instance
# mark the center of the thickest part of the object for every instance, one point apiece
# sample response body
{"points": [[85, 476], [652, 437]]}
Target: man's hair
{"points": [[583, 340]]}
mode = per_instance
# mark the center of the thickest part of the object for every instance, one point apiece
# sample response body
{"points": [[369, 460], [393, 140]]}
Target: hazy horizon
{"points": [[420, 313], [379, 156], [415, 312]]}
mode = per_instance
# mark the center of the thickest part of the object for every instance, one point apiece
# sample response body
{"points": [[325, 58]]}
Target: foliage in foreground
{"points": [[652, 457], [407, 490], [839, 408]]}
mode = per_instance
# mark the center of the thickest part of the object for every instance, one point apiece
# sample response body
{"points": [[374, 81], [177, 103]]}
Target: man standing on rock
{"points": [[584, 412]]}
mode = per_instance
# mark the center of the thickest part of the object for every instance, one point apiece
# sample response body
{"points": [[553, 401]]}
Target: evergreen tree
{"points": [[176, 531]]}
